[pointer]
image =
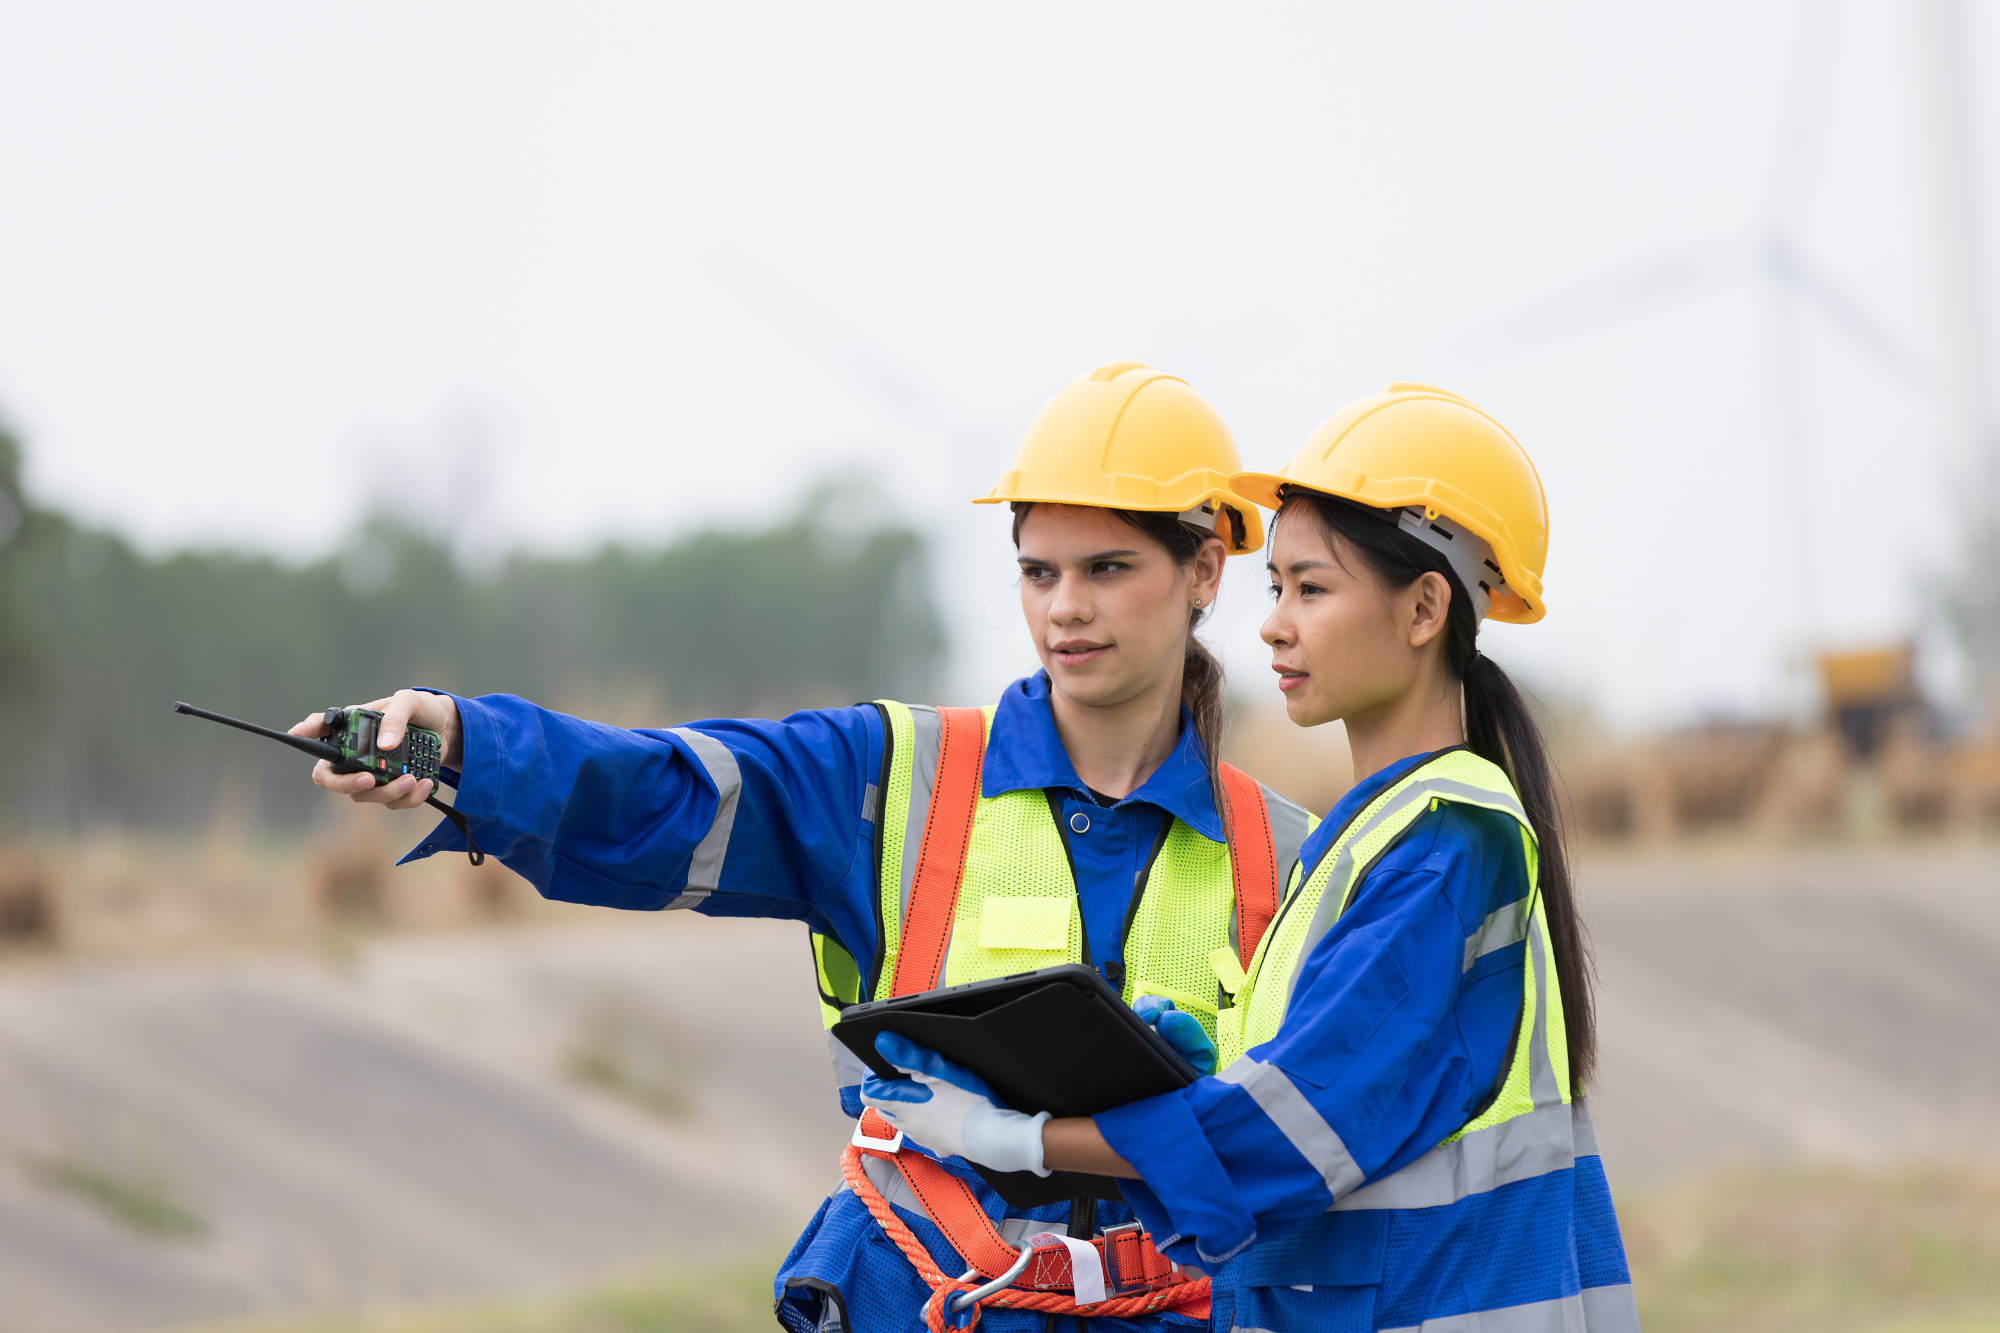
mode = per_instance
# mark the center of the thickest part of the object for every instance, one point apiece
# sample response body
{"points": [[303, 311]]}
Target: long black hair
{"points": [[1204, 684], [1498, 727]]}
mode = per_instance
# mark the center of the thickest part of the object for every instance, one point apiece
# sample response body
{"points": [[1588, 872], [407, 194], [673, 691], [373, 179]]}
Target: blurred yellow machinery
{"points": [[1874, 764]]}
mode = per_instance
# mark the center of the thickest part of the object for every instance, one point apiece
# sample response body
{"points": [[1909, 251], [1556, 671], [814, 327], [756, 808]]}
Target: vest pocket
{"points": [[1025, 923]]}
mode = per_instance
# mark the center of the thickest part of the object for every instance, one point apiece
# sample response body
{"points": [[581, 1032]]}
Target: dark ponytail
{"points": [[1204, 684], [1498, 727]]}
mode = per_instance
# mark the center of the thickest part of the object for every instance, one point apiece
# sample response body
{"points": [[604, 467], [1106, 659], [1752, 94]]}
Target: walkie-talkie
{"points": [[350, 747]]}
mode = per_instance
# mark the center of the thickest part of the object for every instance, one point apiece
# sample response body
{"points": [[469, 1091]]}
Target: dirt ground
{"points": [[455, 1114]]}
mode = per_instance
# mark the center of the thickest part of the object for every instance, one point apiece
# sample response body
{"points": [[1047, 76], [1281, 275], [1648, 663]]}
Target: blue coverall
{"points": [[1396, 1045], [603, 815]]}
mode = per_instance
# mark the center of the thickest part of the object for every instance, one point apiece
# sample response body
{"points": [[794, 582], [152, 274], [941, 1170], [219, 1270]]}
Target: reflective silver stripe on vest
{"points": [[705, 869], [1583, 1129], [1465, 791], [929, 729], [1593, 1310], [1334, 898], [1305, 1128], [1288, 833], [1542, 1085], [1502, 927]]}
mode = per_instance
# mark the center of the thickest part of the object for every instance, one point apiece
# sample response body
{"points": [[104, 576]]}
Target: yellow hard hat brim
{"points": [[1247, 515], [1267, 489], [1127, 436]]}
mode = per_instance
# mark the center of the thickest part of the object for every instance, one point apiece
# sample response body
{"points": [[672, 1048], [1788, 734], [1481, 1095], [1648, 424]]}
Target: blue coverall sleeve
{"points": [[1389, 1046], [730, 817]]}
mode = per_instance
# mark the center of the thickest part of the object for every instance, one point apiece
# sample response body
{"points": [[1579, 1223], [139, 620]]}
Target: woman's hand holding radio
{"points": [[402, 710]]}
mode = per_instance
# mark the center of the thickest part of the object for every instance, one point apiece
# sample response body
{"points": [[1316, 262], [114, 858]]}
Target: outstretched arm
{"points": [[730, 817]]}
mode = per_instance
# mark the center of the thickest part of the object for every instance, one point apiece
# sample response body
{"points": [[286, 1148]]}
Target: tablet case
{"points": [[1058, 1040]]}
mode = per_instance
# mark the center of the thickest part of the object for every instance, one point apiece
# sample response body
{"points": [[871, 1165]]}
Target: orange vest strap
{"points": [[941, 855], [1252, 859]]}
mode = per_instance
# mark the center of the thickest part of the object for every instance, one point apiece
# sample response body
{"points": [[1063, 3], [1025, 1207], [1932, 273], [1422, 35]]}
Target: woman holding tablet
{"points": [[1395, 1139], [1085, 818]]}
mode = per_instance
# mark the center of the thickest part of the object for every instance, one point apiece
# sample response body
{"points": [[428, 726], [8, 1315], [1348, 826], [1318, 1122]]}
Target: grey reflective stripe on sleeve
{"points": [[928, 729], [1610, 1309], [1288, 832], [1334, 900], [871, 795], [1593, 1310], [1519, 1148], [1334, 897], [705, 869], [1303, 1127], [1502, 927]]}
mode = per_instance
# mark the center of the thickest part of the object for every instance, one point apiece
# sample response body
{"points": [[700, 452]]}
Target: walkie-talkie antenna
{"points": [[304, 744]]}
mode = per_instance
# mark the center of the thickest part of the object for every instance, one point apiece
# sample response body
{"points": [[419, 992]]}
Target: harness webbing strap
{"points": [[1253, 861], [1141, 1280], [941, 855]]}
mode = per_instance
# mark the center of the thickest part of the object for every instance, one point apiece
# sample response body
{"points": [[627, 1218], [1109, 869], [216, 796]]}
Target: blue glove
{"points": [[951, 1111], [1182, 1031]]}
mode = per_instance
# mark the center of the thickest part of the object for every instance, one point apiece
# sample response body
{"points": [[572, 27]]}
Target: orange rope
{"points": [[943, 1286]]}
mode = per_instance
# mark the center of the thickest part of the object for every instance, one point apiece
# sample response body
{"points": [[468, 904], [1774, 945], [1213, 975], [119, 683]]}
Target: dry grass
{"points": [[1750, 1252], [1775, 1252], [732, 1299], [116, 896]]}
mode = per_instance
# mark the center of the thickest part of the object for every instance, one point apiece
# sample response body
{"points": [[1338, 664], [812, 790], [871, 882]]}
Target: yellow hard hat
{"points": [[1417, 448], [1127, 436]]}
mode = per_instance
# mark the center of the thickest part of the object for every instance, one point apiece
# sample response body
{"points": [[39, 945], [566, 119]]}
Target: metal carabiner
{"points": [[958, 1305]]}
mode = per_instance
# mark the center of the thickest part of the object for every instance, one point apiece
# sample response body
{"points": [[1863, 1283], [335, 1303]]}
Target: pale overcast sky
{"points": [[578, 271]]}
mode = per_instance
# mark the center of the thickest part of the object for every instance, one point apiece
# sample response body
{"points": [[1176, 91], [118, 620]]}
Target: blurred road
{"points": [[512, 1110], [403, 1131], [1838, 1005]]}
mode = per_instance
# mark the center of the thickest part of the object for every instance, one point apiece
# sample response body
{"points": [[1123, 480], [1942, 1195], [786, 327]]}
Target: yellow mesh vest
{"points": [[1017, 908], [1312, 906]]}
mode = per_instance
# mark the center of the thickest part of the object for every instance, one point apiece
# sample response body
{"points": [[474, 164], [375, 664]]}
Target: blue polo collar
{"points": [[1025, 751]]}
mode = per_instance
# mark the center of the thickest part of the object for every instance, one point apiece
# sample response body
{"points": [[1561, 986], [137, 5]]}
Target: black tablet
{"points": [[1058, 1040]]}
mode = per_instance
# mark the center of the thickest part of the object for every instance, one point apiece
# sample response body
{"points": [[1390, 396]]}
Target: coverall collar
{"points": [[1024, 750], [1353, 803]]}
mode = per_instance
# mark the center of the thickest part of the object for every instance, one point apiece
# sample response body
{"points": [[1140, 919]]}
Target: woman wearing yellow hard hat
{"points": [[1084, 818], [1395, 1138]]}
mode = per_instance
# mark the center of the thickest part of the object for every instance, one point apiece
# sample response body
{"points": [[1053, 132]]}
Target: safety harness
{"points": [[1136, 1278]]}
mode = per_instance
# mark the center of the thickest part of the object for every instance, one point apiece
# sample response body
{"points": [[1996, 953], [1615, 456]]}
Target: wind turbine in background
{"points": [[1952, 375]]}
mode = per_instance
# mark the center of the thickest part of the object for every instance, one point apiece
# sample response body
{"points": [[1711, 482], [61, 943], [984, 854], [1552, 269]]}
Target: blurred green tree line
{"points": [[98, 640]]}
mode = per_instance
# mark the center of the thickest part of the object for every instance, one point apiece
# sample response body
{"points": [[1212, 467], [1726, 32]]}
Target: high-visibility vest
{"points": [[971, 887], [1526, 1130]]}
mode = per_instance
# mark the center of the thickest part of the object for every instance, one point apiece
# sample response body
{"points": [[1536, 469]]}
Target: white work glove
{"points": [[951, 1111]]}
